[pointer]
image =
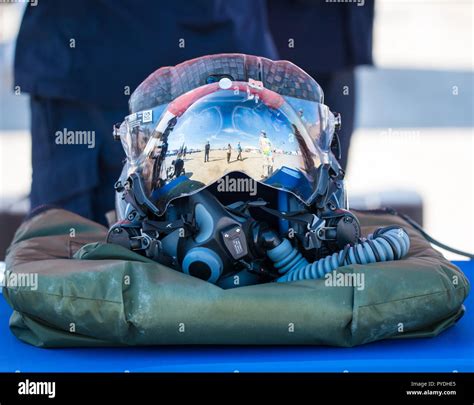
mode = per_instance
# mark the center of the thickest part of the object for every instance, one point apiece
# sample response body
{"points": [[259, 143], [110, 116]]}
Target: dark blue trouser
{"points": [[80, 176], [339, 95]]}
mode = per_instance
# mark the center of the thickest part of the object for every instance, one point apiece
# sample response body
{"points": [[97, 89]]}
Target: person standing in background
{"points": [[81, 60], [266, 151], [239, 152], [207, 148], [327, 40]]}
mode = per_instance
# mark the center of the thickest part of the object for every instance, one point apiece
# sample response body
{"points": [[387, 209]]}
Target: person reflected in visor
{"points": [[239, 152], [266, 150], [207, 148]]}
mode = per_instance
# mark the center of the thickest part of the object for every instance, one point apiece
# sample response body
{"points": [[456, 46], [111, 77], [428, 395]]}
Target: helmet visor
{"points": [[209, 132]]}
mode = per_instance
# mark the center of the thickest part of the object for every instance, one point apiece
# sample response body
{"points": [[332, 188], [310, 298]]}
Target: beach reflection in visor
{"points": [[211, 131]]}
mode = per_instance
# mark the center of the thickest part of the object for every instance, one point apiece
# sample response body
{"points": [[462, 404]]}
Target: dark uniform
{"points": [[80, 61], [327, 40]]}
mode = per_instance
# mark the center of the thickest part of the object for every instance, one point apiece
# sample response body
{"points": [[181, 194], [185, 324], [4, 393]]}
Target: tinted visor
{"points": [[189, 144]]}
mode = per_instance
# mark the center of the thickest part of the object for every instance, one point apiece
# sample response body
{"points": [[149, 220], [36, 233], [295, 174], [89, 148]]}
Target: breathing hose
{"points": [[385, 244]]}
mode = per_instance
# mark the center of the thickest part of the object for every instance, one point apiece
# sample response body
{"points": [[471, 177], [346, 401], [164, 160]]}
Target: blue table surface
{"points": [[451, 351]]}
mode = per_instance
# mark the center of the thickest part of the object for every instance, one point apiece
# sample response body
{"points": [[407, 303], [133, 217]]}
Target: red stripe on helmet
{"points": [[183, 102]]}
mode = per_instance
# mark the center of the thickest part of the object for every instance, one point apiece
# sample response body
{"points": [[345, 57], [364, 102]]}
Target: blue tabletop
{"points": [[453, 350]]}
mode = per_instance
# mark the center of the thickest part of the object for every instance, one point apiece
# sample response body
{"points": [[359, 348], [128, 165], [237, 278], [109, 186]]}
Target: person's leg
{"points": [[339, 95], [67, 171], [63, 173]]}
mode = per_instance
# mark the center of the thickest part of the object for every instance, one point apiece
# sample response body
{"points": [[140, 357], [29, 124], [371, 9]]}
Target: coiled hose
{"points": [[385, 244]]}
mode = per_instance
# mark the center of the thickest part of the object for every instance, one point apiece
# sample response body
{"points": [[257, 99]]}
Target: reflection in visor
{"points": [[136, 131], [317, 119], [280, 144]]}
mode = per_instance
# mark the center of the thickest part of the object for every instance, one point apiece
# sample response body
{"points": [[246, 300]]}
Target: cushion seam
{"points": [[66, 296], [409, 298]]}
